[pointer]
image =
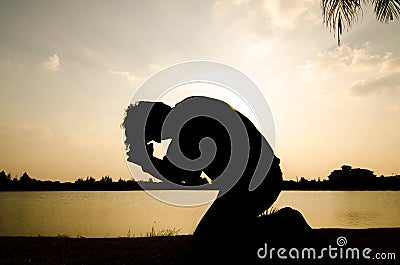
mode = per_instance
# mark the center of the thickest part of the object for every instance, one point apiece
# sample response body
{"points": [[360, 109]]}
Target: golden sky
{"points": [[69, 68]]}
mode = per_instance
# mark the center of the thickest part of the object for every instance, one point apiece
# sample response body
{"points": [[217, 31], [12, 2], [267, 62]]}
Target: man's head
{"points": [[143, 123]]}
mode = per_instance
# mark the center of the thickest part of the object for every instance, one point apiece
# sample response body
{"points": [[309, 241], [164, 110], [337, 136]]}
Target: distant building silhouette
{"points": [[348, 177], [352, 175]]}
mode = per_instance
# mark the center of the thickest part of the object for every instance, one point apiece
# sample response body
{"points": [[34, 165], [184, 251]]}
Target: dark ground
{"points": [[166, 250]]}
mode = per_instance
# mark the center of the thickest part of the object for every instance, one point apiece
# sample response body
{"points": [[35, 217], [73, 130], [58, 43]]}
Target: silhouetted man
{"points": [[230, 224]]}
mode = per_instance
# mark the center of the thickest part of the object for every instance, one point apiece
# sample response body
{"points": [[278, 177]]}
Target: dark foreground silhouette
{"points": [[176, 250], [232, 225]]}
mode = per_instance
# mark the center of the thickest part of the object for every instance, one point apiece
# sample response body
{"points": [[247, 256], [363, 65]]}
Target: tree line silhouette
{"points": [[26, 183], [345, 179]]}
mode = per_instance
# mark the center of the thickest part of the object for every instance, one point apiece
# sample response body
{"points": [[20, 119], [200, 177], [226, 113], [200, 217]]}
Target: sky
{"points": [[68, 70]]}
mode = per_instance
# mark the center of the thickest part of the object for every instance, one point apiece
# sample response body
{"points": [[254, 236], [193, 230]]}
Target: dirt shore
{"points": [[166, 250]]}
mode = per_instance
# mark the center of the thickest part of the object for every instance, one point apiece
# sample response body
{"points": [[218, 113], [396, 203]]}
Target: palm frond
{"points": [[386, 10], [339, 15]]}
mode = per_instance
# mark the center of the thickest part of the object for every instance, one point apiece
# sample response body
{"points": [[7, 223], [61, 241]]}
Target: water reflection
{"points": [[135, 213], [345, 209]]}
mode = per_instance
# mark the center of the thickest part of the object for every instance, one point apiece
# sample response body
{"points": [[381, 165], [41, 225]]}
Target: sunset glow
{"points": [[67, 76]]}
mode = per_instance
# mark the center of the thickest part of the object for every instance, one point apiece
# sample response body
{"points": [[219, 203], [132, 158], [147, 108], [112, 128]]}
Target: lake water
{"points": [[135, 213]]}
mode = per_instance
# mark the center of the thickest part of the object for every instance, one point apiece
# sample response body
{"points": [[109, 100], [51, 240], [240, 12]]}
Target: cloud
{"points": [[378, 85], [52, 63], [27, 131], [155, 67], [241, 2], [124, 74], [285, 14], [280, 15], [393, 108], [358, 70], [260, 49]]}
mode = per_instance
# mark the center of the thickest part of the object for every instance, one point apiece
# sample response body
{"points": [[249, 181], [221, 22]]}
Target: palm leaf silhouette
{"points": [[340, 15]]}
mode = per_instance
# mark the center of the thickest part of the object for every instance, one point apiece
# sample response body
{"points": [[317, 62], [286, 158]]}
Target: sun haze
{"points": [[69, 68]]}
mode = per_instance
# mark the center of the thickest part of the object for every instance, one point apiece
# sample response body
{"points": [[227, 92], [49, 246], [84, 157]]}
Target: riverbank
{"points": [[165, 250]]}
